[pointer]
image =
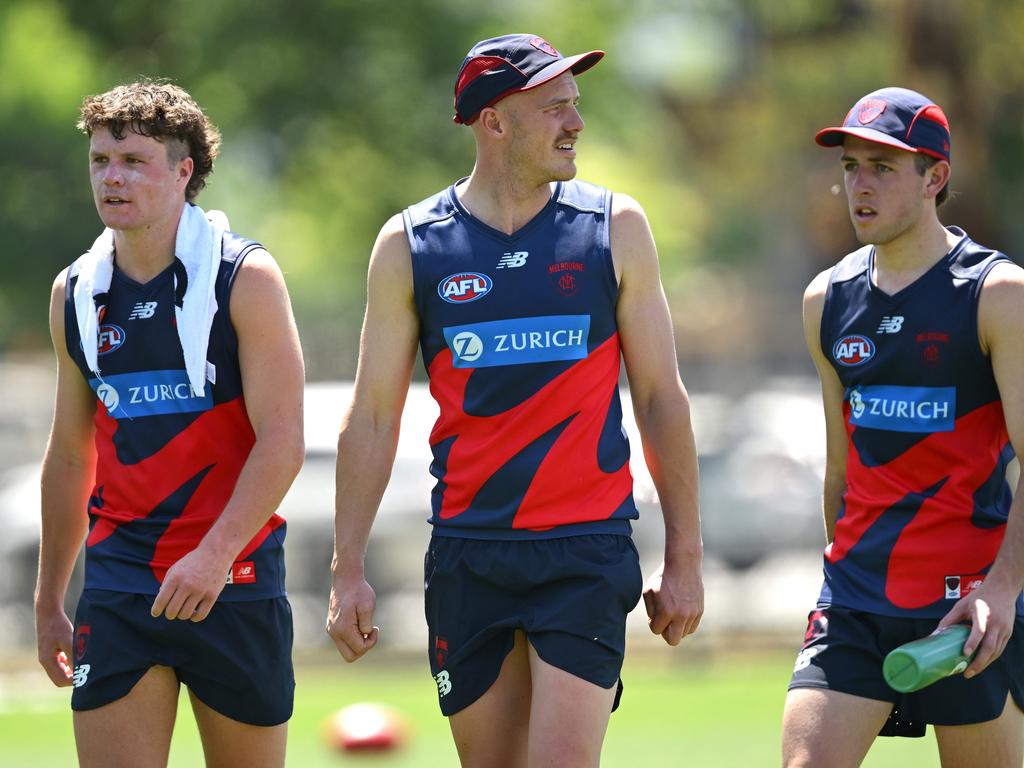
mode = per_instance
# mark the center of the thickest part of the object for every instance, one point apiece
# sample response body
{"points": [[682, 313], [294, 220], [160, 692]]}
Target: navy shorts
{"points": [[237, 661], [569, 595], [843, 651]]}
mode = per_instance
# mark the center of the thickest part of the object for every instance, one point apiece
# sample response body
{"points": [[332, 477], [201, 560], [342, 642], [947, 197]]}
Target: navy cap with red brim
{"points": [[895, 117], [501, 66]]}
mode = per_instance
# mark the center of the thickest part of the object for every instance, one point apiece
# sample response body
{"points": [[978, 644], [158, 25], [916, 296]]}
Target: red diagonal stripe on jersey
{"points": [[486, 443], [133, 491], [940, 539]]}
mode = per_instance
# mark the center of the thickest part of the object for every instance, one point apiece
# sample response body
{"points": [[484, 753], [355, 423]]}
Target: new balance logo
{"points": [[143, 310], [512, 260], [81, 676], [890, 324], [444, 683]]}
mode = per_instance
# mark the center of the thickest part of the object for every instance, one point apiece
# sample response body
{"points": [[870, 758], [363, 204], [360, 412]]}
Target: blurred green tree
{"points": [[337, 114]]}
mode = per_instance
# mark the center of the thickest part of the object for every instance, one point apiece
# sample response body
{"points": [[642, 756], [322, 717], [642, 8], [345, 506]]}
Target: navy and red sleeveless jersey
{"points": [[926, 503], [519, 339], [167, 458]]}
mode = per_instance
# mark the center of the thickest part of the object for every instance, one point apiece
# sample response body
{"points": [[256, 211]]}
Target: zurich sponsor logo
{"points": [[853, 350], [519, 341], [903, 409], [149, 393], [464, 287], [467, 346], [110, 338], [109, 396]]}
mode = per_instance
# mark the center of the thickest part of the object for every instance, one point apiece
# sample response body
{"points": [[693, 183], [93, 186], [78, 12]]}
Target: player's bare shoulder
{"points": [[632, 242], [258, 284], [814, 306], [999, 303]]}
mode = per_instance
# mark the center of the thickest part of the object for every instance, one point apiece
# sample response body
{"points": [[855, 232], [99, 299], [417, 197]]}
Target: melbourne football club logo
{"points": [[566, 276], [463, 287], [853, 350], [870, 110], [82, 640], [543, 45], [441, 650], [110, 338]]}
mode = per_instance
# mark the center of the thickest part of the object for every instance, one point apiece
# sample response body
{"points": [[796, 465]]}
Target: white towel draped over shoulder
{"points": [[198, 247]]}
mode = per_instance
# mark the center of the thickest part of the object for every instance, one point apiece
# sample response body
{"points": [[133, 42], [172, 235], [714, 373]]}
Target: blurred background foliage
{"points": [[337, 114]]}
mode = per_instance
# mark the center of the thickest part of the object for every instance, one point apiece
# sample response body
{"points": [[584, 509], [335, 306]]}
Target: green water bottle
{"points": [[920, 663]]}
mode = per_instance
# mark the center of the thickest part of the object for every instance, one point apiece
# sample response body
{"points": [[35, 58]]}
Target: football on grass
{"points": [[365, 727]]}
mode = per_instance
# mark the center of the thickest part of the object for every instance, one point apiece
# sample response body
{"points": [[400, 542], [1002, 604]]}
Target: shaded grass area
{"points": [[713, 709]]}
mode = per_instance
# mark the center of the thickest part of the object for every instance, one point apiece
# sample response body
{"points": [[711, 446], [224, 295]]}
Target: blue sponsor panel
{"points": [[519, 341], [903, 409], [149, 393]]}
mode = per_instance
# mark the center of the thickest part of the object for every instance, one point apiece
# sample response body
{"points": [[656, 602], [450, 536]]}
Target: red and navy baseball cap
{"points": [[896, 117], [501, 66]]}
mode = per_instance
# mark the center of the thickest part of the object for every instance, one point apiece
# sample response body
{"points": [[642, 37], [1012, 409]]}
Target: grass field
{"points": [[677, 710]]}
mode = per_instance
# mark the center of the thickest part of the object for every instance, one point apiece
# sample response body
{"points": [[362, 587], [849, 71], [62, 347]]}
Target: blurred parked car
{"points": [[761, 461]]}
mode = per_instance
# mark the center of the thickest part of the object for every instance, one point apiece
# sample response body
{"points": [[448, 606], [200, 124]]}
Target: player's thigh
{"points": [[829, 729], [996, 743], [228, 743], [493, 730], [133, 731], [568, 717]]}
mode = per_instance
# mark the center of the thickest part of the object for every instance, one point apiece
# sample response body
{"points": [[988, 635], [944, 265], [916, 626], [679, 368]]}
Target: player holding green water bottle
{"points": [[918, 338]]}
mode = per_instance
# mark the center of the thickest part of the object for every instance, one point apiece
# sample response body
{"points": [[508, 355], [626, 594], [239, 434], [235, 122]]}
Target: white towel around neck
{"points": [[198, 246]]}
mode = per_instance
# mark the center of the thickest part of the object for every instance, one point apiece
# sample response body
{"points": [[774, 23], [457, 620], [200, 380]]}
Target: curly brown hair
{"points": [[163, 111]]}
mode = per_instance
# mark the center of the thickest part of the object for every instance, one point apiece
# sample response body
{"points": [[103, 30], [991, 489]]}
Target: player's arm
{"points": [[832, 395], [369, 435], [270, 360], [67, 475], [991, 608], [674, 594]]}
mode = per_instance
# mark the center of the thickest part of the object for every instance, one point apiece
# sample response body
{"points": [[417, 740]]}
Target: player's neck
{"points": [[899, 262], [503, 202], [144, 253]]}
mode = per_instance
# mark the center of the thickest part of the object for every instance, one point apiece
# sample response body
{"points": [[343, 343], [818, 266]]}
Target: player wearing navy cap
{"points": [[168, 465], [917, 340], [524, 289]]}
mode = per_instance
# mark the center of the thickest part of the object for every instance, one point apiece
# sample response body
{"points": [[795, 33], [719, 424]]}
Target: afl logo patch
{"points": [[853, 350], [464, 287], [111, 337]]}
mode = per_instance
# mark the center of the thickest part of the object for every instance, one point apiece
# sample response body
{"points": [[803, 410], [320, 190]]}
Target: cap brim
{"points": [[579, 64], [833, 137]]}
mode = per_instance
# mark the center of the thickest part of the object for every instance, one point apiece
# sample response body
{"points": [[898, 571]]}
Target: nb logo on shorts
{"points": [[444, 683], [81, 676], [803, 659]]}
